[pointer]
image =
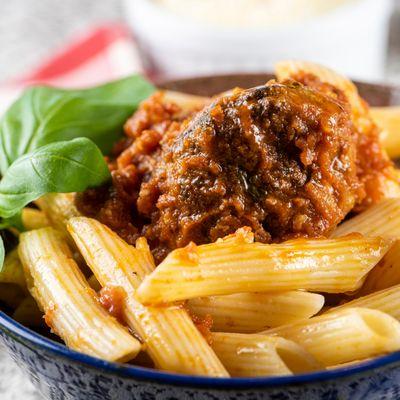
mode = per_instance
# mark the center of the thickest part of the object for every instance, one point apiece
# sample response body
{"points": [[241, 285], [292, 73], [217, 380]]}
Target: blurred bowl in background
{"points": [[350, 38]]}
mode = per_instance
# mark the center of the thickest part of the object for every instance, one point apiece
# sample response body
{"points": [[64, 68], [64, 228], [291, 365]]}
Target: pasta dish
{"points": [[254, 233]]}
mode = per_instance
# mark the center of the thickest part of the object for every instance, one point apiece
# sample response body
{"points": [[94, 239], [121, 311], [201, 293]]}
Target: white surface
{"points": [[14, 385], [350, 39]]}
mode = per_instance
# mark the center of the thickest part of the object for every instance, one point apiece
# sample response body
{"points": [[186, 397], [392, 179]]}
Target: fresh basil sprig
{"points": [[58, 167], [44, 115], [52, 140]]}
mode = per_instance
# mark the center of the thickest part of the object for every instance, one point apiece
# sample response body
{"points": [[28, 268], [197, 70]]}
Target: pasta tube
{"points": [[261, 355], [71, 307], [253, 312], [172, 340], [382, 219], [335, 266], [386, 273], [186, 102], [12, 270], [58, 208], [343, 336], [388, 118], [386, 300], [34, 219], [292, 68], [349, 364]]}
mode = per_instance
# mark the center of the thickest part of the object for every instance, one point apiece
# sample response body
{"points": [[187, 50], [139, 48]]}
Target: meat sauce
{"points": [[112, 299], [283, 159], [374, 168]]}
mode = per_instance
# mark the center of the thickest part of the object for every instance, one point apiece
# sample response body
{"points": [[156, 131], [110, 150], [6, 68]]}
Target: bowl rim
{"points": [[391, 90], [31, 339], [28, 337]]}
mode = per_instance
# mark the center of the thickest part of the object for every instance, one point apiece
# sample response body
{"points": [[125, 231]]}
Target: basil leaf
{"points": [[44, 115], [69, 166], [14, 221]]}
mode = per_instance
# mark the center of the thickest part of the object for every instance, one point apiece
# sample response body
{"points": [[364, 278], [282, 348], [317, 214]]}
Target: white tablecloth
{"points": [[13, 383]]}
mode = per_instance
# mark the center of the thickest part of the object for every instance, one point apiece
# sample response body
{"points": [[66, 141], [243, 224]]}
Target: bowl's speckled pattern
{"points": [[60, 373]]}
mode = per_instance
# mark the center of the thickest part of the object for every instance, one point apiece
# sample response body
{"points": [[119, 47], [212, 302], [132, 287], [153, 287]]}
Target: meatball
{"points": [[286, 159], [280, 158], [375, 170]]}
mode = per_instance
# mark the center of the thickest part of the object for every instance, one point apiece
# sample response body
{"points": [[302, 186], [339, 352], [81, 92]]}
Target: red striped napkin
{"points": [[102, 54]]}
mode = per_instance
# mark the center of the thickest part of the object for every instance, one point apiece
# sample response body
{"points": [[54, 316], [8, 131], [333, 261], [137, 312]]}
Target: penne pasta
{"points": [[58, 208], [335, 266], [253, 312], [292, 68], [261, 355], [386, 300], [186, 102], [370, 223], [386, 273], [171, 338], [142, 245], [12, 270], [382, 219], [33, 218], [388, 118], [349, 364], [71, 307], [345, 335]]}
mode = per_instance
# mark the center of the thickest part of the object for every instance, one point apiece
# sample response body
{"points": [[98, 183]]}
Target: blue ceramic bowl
{"points": [[60, 373]]}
